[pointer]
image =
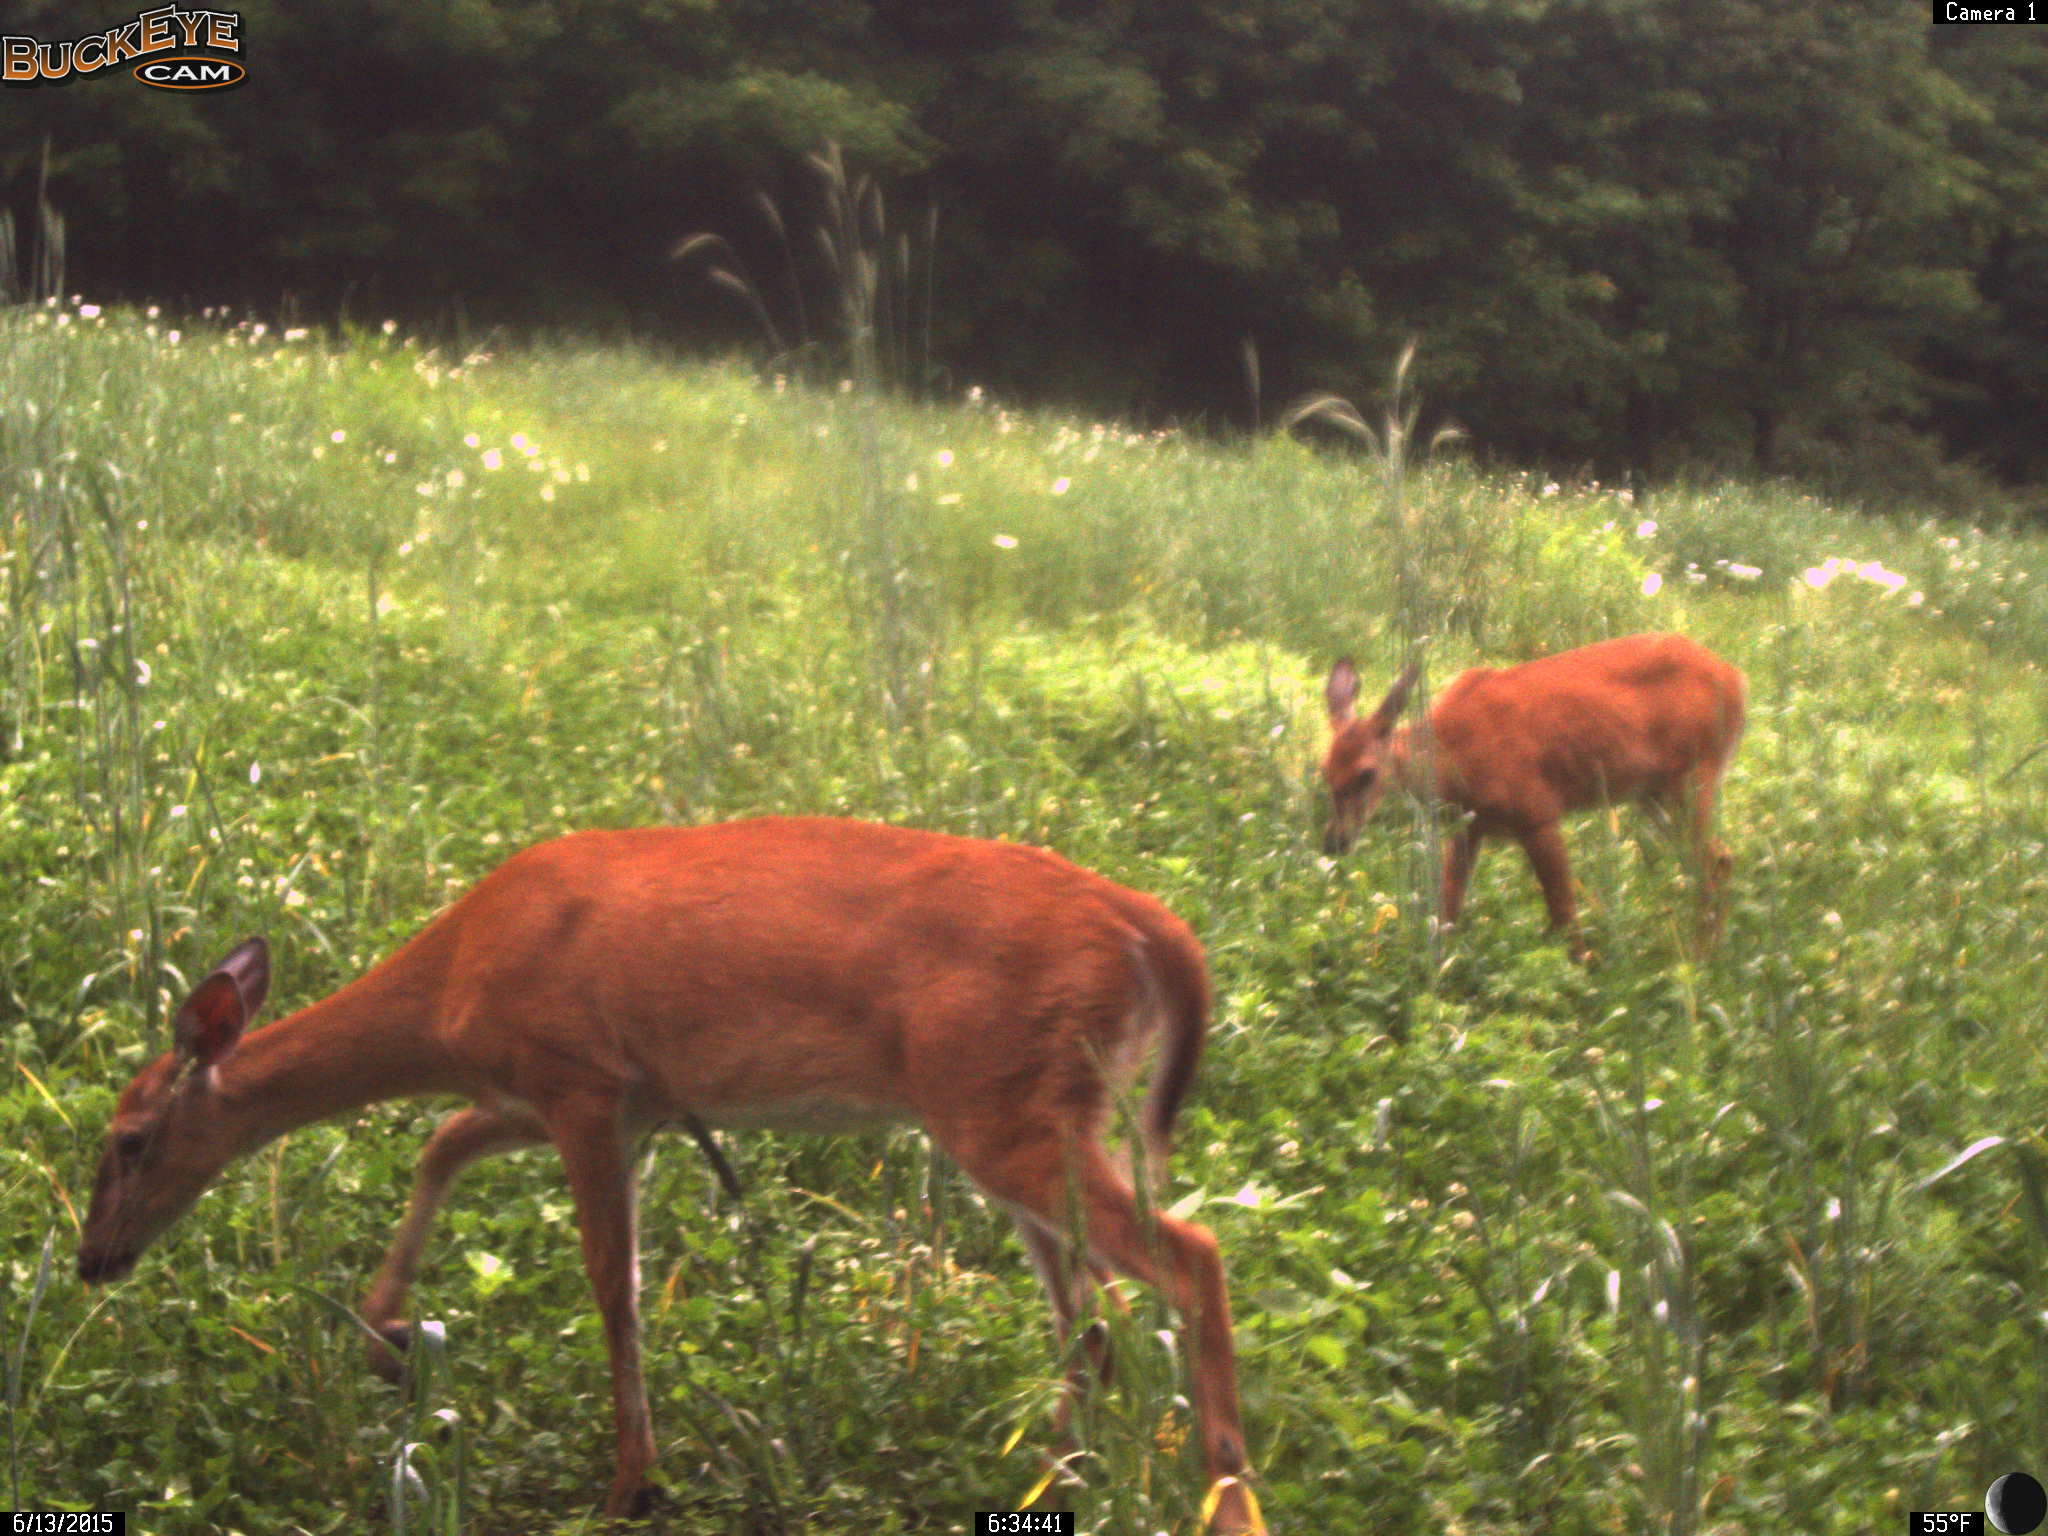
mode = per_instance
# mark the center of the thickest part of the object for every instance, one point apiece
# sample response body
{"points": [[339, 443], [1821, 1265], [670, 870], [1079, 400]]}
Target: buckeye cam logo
{"points": [[167, 48]]}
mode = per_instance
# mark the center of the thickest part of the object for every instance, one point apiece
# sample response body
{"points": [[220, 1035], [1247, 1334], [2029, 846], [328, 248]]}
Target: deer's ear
{"points": [[249, 963], [1397, 696], [1340, 693], [220, 1007]]}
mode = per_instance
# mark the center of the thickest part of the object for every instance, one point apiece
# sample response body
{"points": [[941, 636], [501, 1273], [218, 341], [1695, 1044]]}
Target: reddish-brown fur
{"points": [[1649, 718], [805, 973]]}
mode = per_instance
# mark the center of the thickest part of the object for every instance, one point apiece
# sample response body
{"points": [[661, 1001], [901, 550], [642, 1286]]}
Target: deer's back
{"points": [[1621, 719], [771, 962]]}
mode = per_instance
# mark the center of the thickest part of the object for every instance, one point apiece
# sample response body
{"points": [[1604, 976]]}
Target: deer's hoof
{"points": [[387, 1351], [635, 1502]]}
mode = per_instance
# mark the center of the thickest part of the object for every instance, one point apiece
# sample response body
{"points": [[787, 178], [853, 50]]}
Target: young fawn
{"points": [[1647, 718]]}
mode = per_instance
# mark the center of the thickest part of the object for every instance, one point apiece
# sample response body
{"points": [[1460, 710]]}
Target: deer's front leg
{"points": [[1545, 846], [595, 1144], [1461, 852], [456, 1143]]}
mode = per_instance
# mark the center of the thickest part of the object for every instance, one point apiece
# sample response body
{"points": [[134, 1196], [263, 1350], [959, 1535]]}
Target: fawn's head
{"points": [[1362, 751]]}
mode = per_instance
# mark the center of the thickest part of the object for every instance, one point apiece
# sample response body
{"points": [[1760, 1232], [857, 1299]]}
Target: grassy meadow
{"points": [[300, 636]]}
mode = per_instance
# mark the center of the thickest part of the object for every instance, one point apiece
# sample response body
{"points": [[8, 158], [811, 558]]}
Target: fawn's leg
{"points": [[1461, 852], [1544, 844], [1716, 863]]}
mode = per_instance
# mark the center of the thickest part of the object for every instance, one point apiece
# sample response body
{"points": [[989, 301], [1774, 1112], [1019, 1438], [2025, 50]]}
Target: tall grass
{"points": [[1679, 1243], [879, 343]]}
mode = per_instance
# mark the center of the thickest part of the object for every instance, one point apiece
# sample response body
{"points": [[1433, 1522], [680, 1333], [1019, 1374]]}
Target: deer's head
{"points": [[168, 1140], [1363, 752]]}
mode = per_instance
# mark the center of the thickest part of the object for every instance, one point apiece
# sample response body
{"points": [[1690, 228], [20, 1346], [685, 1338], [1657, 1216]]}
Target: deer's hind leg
{"points": [[1045, 1165], [1715, 862], [1683, 811], [1068, 1277]]}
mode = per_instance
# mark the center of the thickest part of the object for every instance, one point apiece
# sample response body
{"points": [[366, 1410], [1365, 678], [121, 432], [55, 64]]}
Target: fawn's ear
{"points": [[1397, 697], [1340, 693], [220, 1007]]}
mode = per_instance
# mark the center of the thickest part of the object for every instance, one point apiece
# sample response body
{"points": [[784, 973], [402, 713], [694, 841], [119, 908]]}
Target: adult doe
{"points": [[808, 974]]}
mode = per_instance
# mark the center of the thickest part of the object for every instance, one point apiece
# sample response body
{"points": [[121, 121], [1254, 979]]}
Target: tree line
{"points": [[1645, 236]]}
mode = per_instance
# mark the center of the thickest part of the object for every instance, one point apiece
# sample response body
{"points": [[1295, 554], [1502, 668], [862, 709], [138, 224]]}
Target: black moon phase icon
{"points": [[2016, 1503]]}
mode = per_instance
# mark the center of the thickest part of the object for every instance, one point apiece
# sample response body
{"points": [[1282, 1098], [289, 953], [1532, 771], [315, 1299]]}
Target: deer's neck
{"points": [[374, 1039], [1405, 756]]}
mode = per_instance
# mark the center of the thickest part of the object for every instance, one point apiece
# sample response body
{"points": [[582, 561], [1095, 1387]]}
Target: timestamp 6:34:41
{"points": [[1024, 1522]]}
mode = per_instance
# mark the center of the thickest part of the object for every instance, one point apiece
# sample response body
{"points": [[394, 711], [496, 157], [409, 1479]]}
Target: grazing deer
{"points": [[806, 974], [1649, 718]]}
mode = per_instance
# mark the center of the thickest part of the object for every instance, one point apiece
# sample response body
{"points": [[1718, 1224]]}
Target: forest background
{"points": [[1635, 237]]}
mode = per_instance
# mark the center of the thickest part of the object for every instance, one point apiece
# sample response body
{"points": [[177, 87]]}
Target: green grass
{"points": [[1514, 1246]]}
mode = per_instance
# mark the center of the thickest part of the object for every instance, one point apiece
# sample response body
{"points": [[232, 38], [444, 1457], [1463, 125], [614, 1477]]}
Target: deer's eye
{"points": [[1362, 780], [129, 1144]]}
